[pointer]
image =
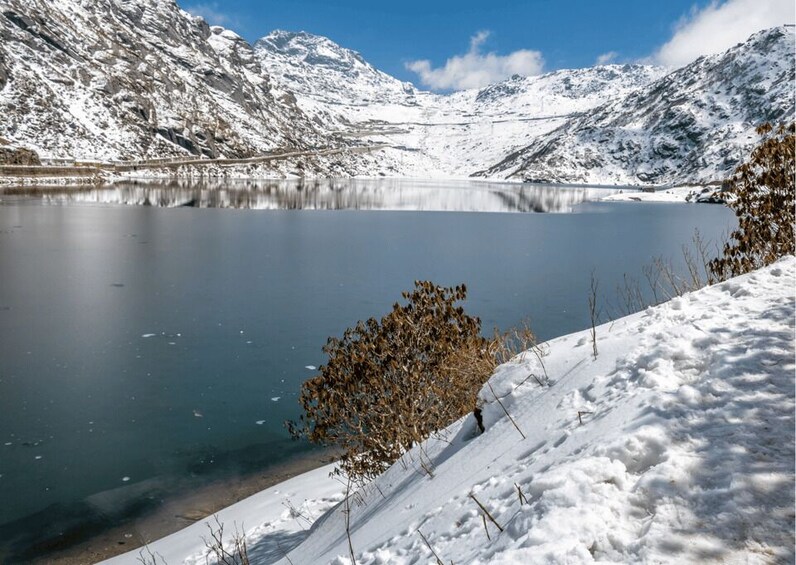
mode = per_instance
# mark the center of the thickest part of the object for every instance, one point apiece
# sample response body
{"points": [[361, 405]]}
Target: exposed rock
{"points": [[11, 155]]}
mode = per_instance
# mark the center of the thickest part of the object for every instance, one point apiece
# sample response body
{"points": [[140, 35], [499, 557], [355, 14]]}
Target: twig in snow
{"points": [[151, 558], [504, 409], [347, 512], [594, 314], [485, 511], [483, 519], [523, 500], [439, 561], [284, 553]]}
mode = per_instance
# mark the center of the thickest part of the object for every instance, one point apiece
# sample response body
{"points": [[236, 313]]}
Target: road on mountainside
{"points": [[66, 168]]}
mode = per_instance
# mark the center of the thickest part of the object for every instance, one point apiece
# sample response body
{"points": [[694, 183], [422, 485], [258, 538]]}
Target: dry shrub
{"points": [[764, 187], [391, 383], [220, 552]]}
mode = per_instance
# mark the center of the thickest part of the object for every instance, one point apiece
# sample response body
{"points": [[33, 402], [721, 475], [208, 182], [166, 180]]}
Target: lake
{"points": [[147, 349]]}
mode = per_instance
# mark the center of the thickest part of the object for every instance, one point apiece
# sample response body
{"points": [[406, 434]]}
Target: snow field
{"points": [[683, 451]]}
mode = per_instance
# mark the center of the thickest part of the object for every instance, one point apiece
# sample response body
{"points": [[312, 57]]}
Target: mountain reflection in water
{"points": [[343, 194]]}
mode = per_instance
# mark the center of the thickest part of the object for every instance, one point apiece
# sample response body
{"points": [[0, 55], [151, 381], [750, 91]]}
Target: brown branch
{"points": [[485, 511], [439, 561], [504, 409]]}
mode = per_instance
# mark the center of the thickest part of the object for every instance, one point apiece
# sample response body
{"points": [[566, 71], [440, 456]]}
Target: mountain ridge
{"points": [[699, 122], [145, 79]]}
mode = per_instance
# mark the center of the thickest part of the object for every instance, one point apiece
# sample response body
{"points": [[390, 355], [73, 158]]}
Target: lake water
{"points": [[149, 349]]}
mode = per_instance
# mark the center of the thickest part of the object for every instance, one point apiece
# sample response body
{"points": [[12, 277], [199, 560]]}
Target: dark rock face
{"points": [[18, 156]]}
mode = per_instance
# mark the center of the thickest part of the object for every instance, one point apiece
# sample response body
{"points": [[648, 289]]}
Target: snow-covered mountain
{"points": [[317, 68], [137, 78], [433, 135], [132, 79], [695, 124]]}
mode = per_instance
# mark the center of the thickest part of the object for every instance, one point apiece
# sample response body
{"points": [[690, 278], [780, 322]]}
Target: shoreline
{"points": [[180, 512]]}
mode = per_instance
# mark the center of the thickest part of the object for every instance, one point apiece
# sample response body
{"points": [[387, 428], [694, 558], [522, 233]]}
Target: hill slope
{"points": [[695, 124], [433, 135], [674, 445], [137, 79], [140, 78]]}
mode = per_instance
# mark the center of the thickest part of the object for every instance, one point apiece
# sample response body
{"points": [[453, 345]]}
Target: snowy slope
{"points": [[108, 79], [674, 445], [316, 67], [132, 79], [433, 135], [696, 124]]}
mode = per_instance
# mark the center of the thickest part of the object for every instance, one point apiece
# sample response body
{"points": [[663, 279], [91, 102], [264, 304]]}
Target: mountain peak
{"points": [[311, 49], [320, 68]]}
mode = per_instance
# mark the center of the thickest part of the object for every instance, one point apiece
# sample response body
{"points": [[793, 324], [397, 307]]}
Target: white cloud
{"points": [[606, 58], [719, 26], [211, 14], [475, 69]]}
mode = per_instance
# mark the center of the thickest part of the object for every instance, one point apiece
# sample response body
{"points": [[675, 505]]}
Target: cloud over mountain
{"points": [[719, 26], [476, 69]]}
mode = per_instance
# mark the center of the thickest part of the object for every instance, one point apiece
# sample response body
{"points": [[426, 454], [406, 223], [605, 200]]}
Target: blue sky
{"points": [[437, 42]]}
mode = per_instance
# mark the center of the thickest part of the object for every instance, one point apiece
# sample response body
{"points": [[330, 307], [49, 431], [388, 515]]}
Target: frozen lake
{"points": [[149, 349]]}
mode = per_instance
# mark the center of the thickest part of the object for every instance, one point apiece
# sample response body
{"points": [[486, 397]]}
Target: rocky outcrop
{"points": [[11, 155]]}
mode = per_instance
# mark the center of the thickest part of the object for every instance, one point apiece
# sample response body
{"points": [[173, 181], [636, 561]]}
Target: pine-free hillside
{"points": [[695, 124], [436, 135], [315, 67], [135, 79], [143, 79]]}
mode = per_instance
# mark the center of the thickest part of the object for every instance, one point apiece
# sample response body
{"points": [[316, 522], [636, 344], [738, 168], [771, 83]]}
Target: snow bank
{"points": [[690, 193], [676, 444], [281, 514]]}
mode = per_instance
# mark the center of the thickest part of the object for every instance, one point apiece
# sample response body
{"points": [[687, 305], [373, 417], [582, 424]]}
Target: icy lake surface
{"points": [[145, 348]]}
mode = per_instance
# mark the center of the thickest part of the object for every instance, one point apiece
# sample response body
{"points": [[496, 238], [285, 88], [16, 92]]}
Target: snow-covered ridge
{"points": [[114, 79], [674, 445], [695, 124], [435, 135], [613, 124], [316, 67]]}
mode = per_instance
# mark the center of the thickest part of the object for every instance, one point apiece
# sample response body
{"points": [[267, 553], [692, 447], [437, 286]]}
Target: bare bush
{"points": [[220, 552], [594, 314], [662, 280]]}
